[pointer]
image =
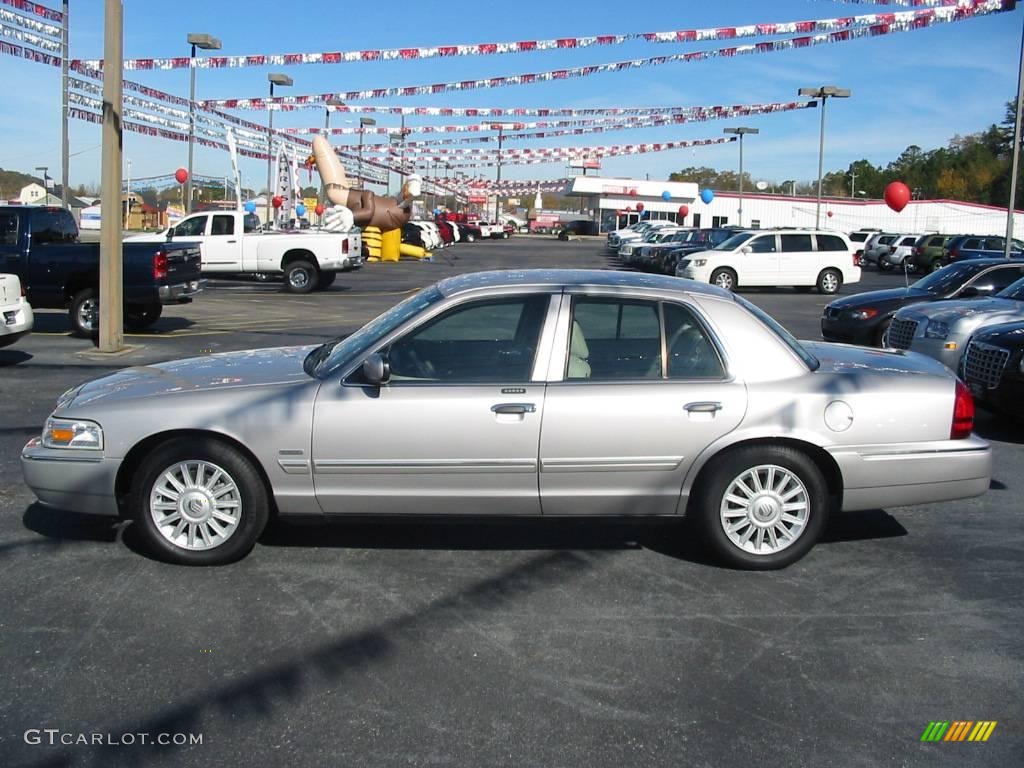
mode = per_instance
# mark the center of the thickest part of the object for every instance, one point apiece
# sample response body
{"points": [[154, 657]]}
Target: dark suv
{"points": [[578, 227], [927, 253], [979, 247]]}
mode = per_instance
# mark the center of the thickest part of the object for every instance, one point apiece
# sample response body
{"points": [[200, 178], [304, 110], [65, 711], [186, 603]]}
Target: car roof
{"points": [[597, 278]]}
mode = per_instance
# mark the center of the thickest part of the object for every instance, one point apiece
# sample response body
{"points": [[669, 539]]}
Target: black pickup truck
{"points": [[40, 245]]}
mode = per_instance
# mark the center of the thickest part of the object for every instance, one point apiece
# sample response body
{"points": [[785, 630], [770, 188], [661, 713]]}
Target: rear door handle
{"points": [[703, 407], [514, 408], [232, 241]]}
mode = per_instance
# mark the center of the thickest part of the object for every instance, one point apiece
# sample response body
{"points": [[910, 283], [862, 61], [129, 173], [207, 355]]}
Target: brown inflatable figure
{"points": [[368, 210]]}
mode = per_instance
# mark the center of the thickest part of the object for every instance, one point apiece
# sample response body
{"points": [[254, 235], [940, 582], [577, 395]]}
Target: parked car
{"points": [[976, 247], [941, 330], [863, 318], [858, 239], [517, 223], [876, 245], [40, 245], [899, 251], [796, 257], [233, 245], [927, 255], [15, 312], [629, 251], [648, 258], [708, 408], [697, 240], [993, 367], [576, 228], [634, 232]]}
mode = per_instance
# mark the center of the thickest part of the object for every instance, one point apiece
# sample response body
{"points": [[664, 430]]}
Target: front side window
{"points": [[764, 244], [194, 226], [492, 341], [996, 280], [1013, 291], [8, 229], [734, 242]]}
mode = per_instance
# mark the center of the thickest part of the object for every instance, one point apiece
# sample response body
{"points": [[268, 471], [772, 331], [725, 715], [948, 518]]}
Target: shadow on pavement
{"points": [[13, 357]]}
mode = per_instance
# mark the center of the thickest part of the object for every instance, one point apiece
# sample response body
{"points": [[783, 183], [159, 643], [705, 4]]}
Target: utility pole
{"points": [[275, 79], [822, 93], [65, 147], [1015, 163], [110, 310], [853, 183], [207, 43], [741, 132]]}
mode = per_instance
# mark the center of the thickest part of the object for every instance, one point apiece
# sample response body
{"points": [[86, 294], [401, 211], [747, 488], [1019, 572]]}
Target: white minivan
{"points": [[796, 257]]}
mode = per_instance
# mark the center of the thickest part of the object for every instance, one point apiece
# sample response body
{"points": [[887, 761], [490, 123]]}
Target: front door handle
{"points": [[514, 408], [232, 241], [703, 407]]}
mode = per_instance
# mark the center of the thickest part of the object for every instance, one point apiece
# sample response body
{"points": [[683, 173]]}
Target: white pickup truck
{"points": [[232, 244]]}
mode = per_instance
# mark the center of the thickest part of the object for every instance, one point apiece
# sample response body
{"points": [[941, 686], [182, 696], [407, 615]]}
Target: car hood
{"points": [[973, 311], [228, 370], [888, 296], [1005, 335], [847, 358]]}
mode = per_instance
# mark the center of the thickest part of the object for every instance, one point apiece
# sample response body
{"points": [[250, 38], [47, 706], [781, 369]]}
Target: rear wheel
{"points": [[139, 317], [935, 266], [198, 502], [85, 312], [762, 507], [829, 282], [300, 277], [724, 278]]}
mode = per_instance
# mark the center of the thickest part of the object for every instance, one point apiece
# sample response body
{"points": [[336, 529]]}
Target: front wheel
{"points": [[829, 282], [762, 507], [470, 237], [198, 501], [300, 277], [724, 278]]}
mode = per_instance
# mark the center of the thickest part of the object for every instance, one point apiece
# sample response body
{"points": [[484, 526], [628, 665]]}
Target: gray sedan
{"points": [[560, 393]]}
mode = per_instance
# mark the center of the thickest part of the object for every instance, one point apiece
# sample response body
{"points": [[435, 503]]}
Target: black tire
{"points": [[884, 266], [504, 235], [711, 506], [139, 317], [470, 237], [84, 312], [253, 503], [935, 266], [881, 330], [326, 280], [300, 277], [563, 236], [829, 282], [724, 277]]}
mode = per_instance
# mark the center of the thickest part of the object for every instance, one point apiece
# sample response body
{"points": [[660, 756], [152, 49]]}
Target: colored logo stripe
{"points": [[935, 730], [958, 730], [982, 730]]}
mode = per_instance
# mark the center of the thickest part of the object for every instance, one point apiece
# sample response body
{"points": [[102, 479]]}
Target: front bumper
{"points": [[879, 476], [180, 293], [78, 481], [847, 331], [937, 349]]}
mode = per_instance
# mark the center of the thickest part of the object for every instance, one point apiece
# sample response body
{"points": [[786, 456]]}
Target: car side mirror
{"points": [[746, 249], [376, 370], [170, 234]]}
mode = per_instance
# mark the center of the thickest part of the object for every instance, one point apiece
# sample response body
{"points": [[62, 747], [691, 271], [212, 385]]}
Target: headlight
{"points": [[698, 262], [936, 330], [72, 433], [864, 314]]}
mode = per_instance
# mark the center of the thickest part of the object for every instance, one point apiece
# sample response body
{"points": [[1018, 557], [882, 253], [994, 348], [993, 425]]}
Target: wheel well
{"points": [[299, 255], [79, 281], [821, 458], [139, 451]]}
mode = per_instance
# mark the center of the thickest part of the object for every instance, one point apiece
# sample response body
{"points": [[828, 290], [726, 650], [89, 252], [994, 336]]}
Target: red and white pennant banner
{"points": [[520, 46], [30, 24], [909, 3], [502, 111], [35, 9], [573, 152], [882, 24], [29, 38]]}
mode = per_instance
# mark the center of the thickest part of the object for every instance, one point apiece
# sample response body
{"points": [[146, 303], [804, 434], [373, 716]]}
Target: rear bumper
{"points": [[913, 473], [180, 293], [15, 321]]}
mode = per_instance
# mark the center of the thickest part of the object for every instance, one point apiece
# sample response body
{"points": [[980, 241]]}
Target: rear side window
{"points": [[831, 243], [994, 243], [796, 243], [48, 227], [223, 225], [8, 229], [251, 223], [908, 241], [972, 243]]}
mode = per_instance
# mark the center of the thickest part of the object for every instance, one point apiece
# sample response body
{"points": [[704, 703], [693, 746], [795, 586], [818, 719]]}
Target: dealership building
{"points": [[613, 204]]}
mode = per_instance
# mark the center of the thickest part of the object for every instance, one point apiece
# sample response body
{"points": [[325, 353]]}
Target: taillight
{"points": [[856, 258], [963, 413], [159, 265], [344, 246], [955, 254], [919, 251]]}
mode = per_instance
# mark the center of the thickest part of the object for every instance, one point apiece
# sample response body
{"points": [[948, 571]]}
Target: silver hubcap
{"points": [[829, 282], [195, 505], [724, 280], [765, 509], [88, 314], [299, 278]]}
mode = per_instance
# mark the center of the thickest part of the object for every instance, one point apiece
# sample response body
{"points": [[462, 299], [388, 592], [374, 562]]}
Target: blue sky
{"points": [[917, 87]]}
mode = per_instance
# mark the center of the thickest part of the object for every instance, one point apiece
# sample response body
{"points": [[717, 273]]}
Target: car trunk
{"points": [[10, 289]]}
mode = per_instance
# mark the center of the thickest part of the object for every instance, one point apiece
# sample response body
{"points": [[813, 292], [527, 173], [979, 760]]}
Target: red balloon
{"points": [[277, 201], [684, 210], [897, 195], [829, 214], [319, 209], [640, 207], [181, 175]]}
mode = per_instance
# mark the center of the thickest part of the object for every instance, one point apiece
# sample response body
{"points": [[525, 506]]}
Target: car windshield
{"points": [[349, 348], [1013, 291], [787, 338], [734, 242], [947, 279]]}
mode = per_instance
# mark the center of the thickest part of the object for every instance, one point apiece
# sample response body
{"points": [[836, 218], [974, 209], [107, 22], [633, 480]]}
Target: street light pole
{"points": [[1015, 162], [207, 43], [822, 93], [111, 295], [275, 78], [741, 132]]}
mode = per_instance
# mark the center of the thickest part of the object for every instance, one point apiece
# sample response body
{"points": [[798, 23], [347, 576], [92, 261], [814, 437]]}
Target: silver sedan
{"points": [[560, 393]]}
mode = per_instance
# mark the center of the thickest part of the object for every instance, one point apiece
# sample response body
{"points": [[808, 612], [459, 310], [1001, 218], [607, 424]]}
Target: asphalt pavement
{"points": [[524, 643]]}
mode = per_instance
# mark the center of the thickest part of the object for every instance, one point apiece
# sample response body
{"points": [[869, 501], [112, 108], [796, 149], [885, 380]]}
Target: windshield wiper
{"points": [[318, 355]]}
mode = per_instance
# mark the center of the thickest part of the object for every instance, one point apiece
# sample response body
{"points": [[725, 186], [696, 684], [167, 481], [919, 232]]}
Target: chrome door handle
{"points": [[232, 241], [702, 407], [514, 408]]}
